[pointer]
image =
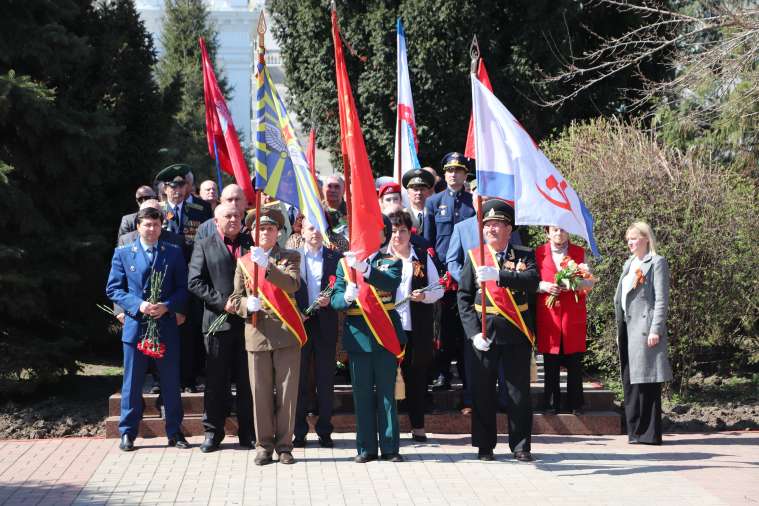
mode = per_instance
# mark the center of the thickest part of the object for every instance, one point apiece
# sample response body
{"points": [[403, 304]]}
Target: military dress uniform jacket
{"points": [[193, 215], [385, 276], [523, 285], [128, 286], [270, 333], [444, 210]]}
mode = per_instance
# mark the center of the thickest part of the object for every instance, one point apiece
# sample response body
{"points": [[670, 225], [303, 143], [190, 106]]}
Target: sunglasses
{"points": [[142, 199]]}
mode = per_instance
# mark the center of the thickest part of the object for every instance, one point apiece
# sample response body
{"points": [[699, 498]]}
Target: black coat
{"points": [[326, 315], [211, 275], [128, 224]]}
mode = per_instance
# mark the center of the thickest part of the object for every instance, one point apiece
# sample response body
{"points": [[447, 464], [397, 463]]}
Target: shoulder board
{"points": [[169, 244], [193, 205], [124, 246]]}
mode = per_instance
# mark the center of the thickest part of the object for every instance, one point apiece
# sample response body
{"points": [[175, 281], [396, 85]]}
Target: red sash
{"points": [[376, 316], [501, 297], [276, 298]]}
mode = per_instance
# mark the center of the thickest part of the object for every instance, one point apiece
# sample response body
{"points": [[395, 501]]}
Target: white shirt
{"points": [[147, 246], [177, 210], [629, 280], [311, 272], [404, 289]]}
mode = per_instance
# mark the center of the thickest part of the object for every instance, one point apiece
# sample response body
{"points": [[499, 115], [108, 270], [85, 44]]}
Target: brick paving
{"points": [[700, 469]]}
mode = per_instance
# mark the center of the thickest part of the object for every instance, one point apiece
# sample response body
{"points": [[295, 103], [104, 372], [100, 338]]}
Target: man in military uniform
{"points": [[418, 184], [184, 217], [443, 211], [389, 194], [373, 356], [511, 278], [273, 341]]}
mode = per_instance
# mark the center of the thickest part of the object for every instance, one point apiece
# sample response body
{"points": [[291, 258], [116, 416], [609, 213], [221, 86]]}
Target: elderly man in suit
{"points": [[317, 265], [128, 286], [231, 194], [129, 221], [211, 279], [274, 334]]}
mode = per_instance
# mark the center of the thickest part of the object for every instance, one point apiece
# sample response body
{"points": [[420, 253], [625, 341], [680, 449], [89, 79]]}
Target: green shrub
{"points": [[704, 219]]}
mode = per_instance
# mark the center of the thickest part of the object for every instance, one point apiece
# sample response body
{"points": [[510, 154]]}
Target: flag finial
{"points": [[261, 29], [474, 54]]}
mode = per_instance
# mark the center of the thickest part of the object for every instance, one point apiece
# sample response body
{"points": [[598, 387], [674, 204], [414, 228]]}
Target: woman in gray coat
{"points": [[640, 305]]}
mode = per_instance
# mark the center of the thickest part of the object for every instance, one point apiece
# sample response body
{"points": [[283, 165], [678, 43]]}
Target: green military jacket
{"points": [[385, 276]]}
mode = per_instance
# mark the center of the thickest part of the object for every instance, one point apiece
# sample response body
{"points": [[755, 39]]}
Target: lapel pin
{"points": [[131, 268]]}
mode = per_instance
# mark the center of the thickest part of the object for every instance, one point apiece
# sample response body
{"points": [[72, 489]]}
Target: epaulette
{"points": [[194, 205], [169, 244], [124, 246]]}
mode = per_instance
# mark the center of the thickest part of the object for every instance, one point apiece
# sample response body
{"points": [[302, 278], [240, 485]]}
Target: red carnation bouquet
{"points": [[570, 277], [327, 292], [150, 342]]}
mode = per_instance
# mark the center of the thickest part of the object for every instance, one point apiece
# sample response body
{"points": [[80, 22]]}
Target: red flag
{"points": [[311, 152], [220, 130], [366, 218], [482, 75]]}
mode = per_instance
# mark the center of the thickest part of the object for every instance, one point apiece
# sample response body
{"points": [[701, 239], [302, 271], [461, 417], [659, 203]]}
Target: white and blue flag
{"points": [[512, 167]]}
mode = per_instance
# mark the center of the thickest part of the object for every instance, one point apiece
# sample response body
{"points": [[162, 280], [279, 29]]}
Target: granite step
{"points": [[589, 423]]}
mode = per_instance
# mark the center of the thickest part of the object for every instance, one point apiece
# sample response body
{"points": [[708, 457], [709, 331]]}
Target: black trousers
{"points": [[415, 369], [320, 350], [452, 340], [642, 409], [192, 358], [552, 389], [516, 359], [226, 358]]}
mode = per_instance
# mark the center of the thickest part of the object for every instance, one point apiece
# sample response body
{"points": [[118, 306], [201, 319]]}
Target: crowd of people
{"points": [[270, 317]]}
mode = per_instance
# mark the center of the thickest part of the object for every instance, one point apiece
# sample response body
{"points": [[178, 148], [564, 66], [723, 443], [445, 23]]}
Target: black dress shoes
{"points": [[178, 440], [419, 438], [441, 384], [286, 458], [363, 458], [299, 442], [209, 445], [326, 441], [262, 457], [392, 457], [485, 455], [127, 443], [524, 456]]}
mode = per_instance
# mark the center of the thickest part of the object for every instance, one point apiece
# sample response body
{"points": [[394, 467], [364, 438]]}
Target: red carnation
{"points": [[431, 252], [332, 280]]}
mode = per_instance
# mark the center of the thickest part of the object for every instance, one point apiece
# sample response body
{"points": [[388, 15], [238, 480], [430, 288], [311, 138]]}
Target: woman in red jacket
{"points": [[561, 328]]}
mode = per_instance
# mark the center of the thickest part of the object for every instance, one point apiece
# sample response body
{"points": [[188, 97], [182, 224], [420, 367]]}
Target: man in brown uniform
{"points": [[274, 340]]}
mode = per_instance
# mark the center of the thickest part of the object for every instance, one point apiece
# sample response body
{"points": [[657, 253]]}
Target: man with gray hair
{"points": [[231, 194]]}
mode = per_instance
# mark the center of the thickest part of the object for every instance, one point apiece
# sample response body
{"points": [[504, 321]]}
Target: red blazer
{"points": [[567, 320]]}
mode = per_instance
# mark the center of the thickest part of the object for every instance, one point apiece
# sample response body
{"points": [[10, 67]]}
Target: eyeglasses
{"points": [[143, 198]]}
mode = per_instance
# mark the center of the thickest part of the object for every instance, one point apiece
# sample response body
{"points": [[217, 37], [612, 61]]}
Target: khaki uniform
{"points": [[273, 355]]}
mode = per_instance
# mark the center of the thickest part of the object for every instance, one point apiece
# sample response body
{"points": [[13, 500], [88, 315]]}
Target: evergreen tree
{"points": [[516, 40], [180, 67], [73, 134]]}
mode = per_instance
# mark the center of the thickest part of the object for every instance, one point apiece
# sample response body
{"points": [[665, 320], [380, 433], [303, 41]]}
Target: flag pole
{"points": [[218, 167], [257, 192], [474, 53]]}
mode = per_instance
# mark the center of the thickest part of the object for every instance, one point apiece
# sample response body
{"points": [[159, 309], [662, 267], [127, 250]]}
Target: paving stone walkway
{"points": [[700, 469]]}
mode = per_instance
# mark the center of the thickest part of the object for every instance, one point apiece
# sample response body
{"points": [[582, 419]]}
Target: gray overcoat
{"points": [[646, 314]]}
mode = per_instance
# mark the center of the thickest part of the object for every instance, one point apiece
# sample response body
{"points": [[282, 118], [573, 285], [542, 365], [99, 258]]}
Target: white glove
{"points": [[259, 256], [480, 342], [354, 263], [254, 304], [486, 273], [351, 292]]}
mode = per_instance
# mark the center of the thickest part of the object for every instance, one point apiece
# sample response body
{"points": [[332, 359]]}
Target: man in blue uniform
{"points": [[443, 211], [128, 286]]}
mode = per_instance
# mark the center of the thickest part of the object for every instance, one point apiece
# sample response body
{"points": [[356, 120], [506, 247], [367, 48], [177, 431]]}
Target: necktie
{"points": [[501, 258], [151, 254], [419, 217]]}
